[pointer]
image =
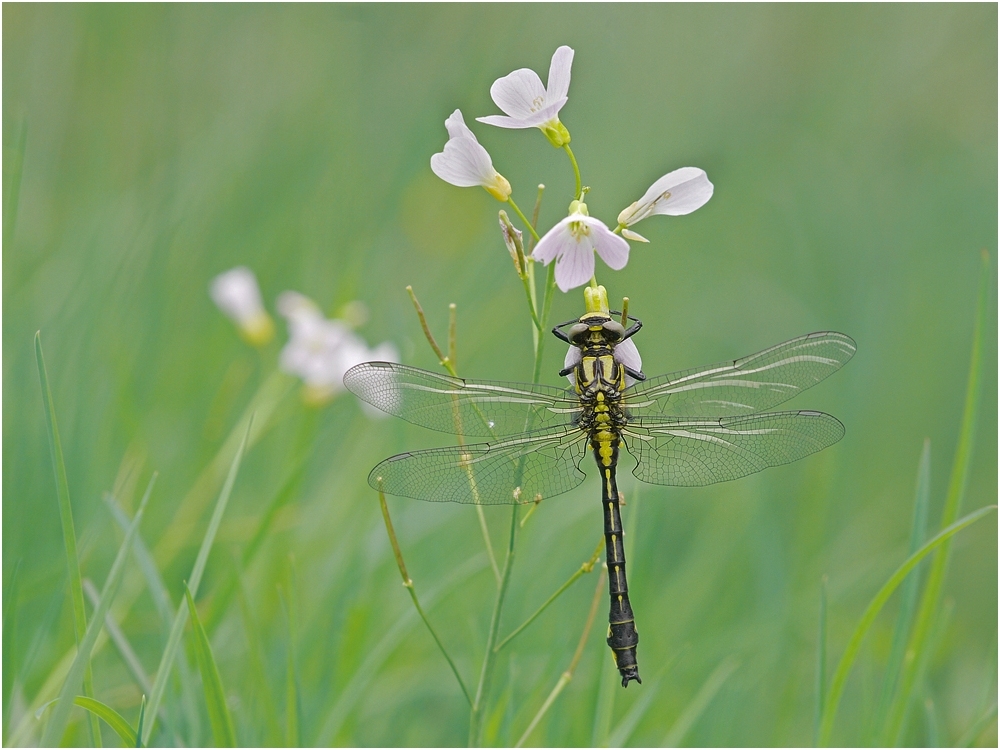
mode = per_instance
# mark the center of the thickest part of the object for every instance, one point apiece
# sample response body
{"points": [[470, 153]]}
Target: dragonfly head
{"points": [[595, 328]]}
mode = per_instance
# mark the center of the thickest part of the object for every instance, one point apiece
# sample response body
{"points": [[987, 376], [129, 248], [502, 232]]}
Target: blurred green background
{"points": [[148, 148]]}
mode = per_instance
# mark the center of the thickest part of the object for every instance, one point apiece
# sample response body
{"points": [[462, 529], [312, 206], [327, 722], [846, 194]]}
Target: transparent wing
{"points": [[544, 463], [745, 386], [695, 452], [477, 408]]}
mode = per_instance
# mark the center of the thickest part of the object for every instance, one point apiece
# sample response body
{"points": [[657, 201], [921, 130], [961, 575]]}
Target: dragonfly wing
{"points": [[544, 463], [477, 408], [695, 452], [744, 386]]}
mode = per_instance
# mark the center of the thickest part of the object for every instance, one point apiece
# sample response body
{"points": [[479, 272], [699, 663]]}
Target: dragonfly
{"points": [[689, 428]]}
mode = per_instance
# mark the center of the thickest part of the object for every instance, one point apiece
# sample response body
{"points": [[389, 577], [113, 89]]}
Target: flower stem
{"points": [[522, 217], [585, 568], [576, 171], [445, 361], [408, 583]]}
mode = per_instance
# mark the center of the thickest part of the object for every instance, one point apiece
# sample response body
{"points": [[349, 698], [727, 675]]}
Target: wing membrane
{"points": [[744, 386], [695, 452], [544, 463], [477, 408]]}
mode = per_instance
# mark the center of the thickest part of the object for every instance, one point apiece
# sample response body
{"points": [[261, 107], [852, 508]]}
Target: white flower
{"points": [[465, 163], [625, 353], [320, 351], [572, 242], [529, 104], [675, 194], [236, 294]]}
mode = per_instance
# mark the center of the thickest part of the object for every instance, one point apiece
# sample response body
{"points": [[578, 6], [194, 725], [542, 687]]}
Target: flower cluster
{"points": [[572, 242], [319, 349]]}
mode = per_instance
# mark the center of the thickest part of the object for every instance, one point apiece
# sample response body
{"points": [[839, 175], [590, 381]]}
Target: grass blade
{"points": [[120, 640], [700, 702], [223, 732], [376, 656], [908, 595], [566, 676], [980, 724], [851, 651], [820, 659], [9, 621], [291, 677], [173, 641], [111, 717], [265, 704], [60, 715], [623, 732], [68, 531], [138, 727], [931, 600]]}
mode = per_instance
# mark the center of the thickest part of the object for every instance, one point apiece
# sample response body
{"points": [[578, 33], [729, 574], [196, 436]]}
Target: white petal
{"points": [[520, 94], [455, 124], [688, 188], [559, 74], [384, 352], [534, 120], [634, 236], [573, 357], [554, 242], [292, 305], [464, 163], [627, 353], [575, 266], [612, 248], [237, 295]]}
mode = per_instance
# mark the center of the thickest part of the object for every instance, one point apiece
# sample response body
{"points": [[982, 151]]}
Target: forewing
{"points": [[695, 452], [520, 469], [744, 386], [474, 408]]}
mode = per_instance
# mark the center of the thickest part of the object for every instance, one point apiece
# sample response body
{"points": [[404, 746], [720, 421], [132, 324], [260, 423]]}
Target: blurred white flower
{"points": [[465, 163], [572, 242], [236, 294], [529, 104], [321, 350], [675, 194], [625, 353]]}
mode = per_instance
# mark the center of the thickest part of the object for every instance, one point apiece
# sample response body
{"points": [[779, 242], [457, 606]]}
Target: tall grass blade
{"points": [[255, 650], [978, 727], [111, 717], [173, 641], [851, 651], [60, 715], [68, 531], [908, 595], [368, 669], [9, 622], [221, 722], [930, 602], [120, 640], [693, 711], [291, 676], [142, 719], [820, 659], [621, 734], [161, 600]]}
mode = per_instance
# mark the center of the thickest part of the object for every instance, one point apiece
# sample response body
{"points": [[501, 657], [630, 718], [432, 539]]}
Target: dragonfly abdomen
{"points": [[623, 638]]}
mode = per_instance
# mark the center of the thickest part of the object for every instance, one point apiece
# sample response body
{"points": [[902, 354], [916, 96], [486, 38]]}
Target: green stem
{"points": [[522, 217], [550, 285], [585, 568], [854, 644], [576, 171]]}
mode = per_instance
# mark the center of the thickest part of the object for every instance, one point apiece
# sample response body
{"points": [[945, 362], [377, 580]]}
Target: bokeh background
{"points": [[148, 148]]}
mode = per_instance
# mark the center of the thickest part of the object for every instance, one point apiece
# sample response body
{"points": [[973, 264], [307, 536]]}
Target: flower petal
{"points": [[627, 354], [688, 188], [612, 248], [634, 236], [520, 94], [573, 357], [464, 163], [237, 295], [549, 112], [575, 266], [555, 242], [455, 124], [559, 74]]}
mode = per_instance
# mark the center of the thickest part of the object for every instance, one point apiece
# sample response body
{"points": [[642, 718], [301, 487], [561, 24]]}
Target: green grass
{"points": [[148, 148]]}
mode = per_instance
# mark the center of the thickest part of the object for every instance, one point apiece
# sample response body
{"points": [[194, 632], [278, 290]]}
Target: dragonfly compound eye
{"points": [[578, 333], [613, 330]]}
